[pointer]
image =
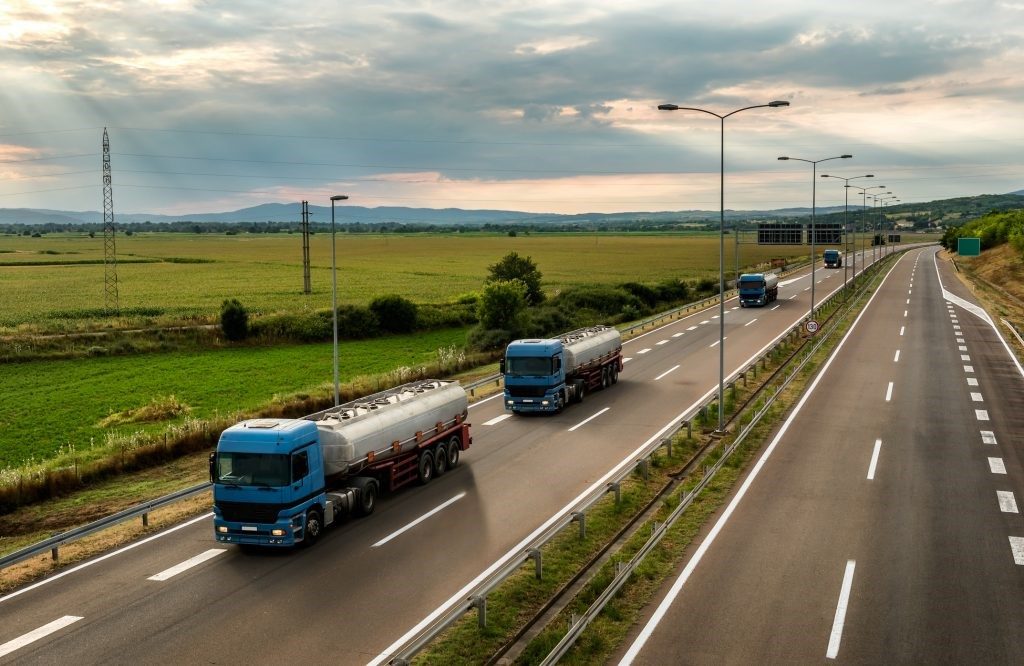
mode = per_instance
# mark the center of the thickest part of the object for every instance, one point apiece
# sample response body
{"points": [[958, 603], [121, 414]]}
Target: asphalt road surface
{"points": [[882, 524], [180, 597]]}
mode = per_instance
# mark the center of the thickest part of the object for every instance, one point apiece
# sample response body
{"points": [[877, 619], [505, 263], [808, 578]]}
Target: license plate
{"points": [[248, 528]]}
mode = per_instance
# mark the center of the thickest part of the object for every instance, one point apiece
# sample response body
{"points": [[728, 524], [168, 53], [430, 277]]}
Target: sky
{"points": [[533, 105]]}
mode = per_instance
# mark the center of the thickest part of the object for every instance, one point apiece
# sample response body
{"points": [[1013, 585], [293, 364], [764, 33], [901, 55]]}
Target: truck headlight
{"points": [[277, 532], [223, 529], [544, 402], [510, 402]]}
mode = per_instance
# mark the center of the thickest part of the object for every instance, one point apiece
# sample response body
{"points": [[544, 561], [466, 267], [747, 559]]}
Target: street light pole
{"points": [[721, 241], [846, 221], [334, 299], [814, 185], [864, 211]]}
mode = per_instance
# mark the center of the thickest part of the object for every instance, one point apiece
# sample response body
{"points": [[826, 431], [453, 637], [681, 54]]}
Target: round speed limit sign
{"points": [[811, 326]]}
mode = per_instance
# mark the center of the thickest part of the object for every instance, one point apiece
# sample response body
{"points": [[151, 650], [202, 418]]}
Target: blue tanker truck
{"points": [[758, 288]]}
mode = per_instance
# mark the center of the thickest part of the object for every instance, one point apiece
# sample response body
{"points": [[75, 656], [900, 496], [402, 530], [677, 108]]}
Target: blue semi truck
{"points": [[833, 259], [758, 288], [280, 482], [545, 375]]}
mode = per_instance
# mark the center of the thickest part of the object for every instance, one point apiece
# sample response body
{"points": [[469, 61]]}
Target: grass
{"points": [[50, 407], [264, 271]]}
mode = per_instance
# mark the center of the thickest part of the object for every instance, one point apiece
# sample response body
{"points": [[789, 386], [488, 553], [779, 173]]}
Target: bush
{"points": [[648, 295], [395, 314], [355, 322], [234, 320], [672, 291], [445, 315], [601, 299], [707, 287], [503, 307], [548, 321], [487, 339]]}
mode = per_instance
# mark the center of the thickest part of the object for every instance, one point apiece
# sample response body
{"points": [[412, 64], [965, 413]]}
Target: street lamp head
{"points": [[668, 107], [778, 103], [845, 157], [783, 158], [339, 197], [870, 175]]}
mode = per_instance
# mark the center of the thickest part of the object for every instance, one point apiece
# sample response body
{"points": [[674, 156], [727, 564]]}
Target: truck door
{"points": [[302, 480]]}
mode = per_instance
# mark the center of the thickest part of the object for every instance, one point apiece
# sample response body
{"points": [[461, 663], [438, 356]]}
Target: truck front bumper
{"points": [[545, 404], [283, 533]]}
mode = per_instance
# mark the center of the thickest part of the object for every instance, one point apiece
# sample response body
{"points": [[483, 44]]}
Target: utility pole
{"points": [[306, 286], [109, 245]]}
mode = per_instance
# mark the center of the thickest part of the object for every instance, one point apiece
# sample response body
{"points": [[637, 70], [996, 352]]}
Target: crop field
{"points": [[47, 405], [184, 274]]}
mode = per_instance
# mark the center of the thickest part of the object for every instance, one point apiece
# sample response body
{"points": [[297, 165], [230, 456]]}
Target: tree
{"points": [[514, 267], [394, 313], [234, 320], [503, 306]]}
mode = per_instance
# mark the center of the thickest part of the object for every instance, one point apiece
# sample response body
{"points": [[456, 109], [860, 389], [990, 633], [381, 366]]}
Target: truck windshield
{"points": [[751, 284], [253, 469], [537, 366]]}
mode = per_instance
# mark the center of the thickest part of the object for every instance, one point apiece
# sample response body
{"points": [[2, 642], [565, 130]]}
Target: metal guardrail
{"points": [[54, 543]]}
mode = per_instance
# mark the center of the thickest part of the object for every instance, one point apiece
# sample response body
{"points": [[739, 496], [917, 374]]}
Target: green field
{"points": [[47, 405], [264, 271]]}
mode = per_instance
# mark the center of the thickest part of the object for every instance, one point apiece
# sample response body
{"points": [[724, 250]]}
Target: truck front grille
{"points": [[244, 512], [526, 391]]}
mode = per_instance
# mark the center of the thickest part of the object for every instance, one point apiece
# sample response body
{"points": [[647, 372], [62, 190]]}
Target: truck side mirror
{"points": [[213, 466], [501, 365]]}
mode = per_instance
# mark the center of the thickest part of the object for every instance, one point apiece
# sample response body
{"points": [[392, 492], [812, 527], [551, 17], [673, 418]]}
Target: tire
{"points": [[366, 501], [313, 527], [425, 468], [454, 451], [615, 374], [605, 379], [581, 390], [440, 459]]}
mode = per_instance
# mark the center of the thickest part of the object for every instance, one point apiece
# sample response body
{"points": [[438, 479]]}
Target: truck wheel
{"points": [[314, 526], [605, 380], [454, 450], [615, 375], [367, 500], [581, 390], [425, 470], [440, 459]]}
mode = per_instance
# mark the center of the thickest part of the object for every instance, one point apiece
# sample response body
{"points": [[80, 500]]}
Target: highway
{"points": [[181, 597], [881, 524]]}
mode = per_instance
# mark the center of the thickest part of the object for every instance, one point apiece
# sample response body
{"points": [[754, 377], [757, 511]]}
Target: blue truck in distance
{"points": [[280, 482], [833, 259], [545, 375], [758, 288]]}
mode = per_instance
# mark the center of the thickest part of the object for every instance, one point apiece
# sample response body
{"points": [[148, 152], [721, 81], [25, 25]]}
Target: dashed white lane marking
{"points": [[996, 466], [497, 419], [428, 514], [904, 313], [676, 335], [674, 367], [1007, 502], [807, 288], [968, 368], [976, 397], [960, 340], [896, 358], [791, 297], [965, 357], [908, 301], [735, 307], [706, 321], [962, 348], [982, 414], [588, 419], [988, 437], [776, 308], [874, 460], [956, 328], [902, 329], [692, 328], [715, 343], [888, 393], [836, 637], [715, 317], [627, 359], [910, 291], [750, 322], [644, 351], [972, 381], [34, 635], [1017, 548], [662, 342], [187, 564]]}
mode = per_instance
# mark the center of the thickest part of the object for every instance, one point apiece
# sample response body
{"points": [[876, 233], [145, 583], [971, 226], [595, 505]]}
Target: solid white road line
{"points": [[34, 635], [996, 466], [498, 419], [988, 437], [896, 358], [1017, 548], [104, 557], [888, 393], [844, 600], [187, 564], [874, 460], [972, 381], [674, 367], [698, 555], [1007, 502], [750, 322], [588, 419], [976, 397], [419, 520], [968, 368]]}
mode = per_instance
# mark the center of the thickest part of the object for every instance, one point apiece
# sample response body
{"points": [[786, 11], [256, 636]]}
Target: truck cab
{"points": [[833, 259], [268, 483], [534, 375]]}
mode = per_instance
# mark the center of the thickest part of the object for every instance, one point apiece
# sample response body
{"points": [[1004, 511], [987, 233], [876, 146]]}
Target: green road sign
{"points": [[968, 247]]}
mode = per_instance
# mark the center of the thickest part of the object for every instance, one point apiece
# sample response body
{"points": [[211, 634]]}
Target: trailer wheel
{"points": [[314, 526], [454, 450], [425, 470], [605, 379], [440, 459], [615, 374]]}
